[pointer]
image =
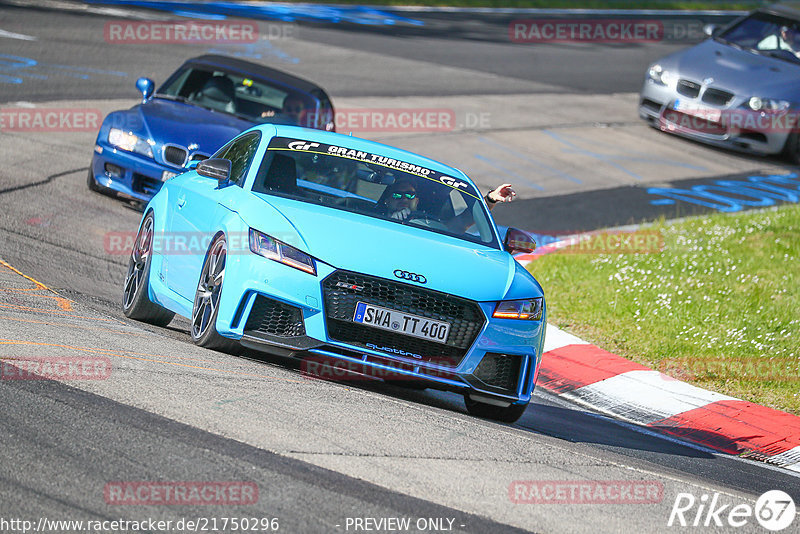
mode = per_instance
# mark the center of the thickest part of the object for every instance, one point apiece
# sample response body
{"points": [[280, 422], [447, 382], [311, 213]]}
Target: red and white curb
{"points": [[583, 373]]}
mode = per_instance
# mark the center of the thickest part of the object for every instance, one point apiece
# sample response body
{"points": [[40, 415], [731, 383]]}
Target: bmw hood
{"points": [[394, 251], [744, 73], [183, 124]]}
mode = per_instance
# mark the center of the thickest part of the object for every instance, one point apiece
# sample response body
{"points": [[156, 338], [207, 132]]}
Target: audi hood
{"points": [[391, 250]]}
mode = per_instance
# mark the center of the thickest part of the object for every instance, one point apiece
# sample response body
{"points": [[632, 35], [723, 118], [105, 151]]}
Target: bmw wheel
{"points": [[507, 414], [206, 300], [135, 300], [792, 148]]}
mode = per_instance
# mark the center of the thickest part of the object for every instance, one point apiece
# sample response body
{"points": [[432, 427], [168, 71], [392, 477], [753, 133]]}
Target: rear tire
{"points": [[136, 303], [509, 414], [206, 301]]}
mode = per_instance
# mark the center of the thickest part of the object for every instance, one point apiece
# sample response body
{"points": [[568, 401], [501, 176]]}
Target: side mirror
{"points": [[710, 30], [217, 168], [146, 86], [519, 241], [192, 164]]}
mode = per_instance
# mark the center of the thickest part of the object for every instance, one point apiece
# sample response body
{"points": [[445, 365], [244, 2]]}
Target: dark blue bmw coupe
{"points": [[206, 102]]}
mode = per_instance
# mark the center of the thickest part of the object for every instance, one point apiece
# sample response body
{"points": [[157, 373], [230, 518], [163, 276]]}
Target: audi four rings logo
{"points": [[414, 277]]}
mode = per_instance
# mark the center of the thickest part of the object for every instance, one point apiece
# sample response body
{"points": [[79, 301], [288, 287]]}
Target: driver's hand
{"points": [[401, 215], [503, 193]]}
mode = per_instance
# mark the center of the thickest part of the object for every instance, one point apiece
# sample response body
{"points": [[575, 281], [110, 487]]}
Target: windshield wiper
{"points": [[176, 98]]}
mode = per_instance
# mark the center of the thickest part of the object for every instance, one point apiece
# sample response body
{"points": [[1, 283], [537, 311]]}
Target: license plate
{"points": [[402, 323], [698, 110]]}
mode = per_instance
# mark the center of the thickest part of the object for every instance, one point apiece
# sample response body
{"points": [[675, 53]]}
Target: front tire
{"points": [[206, 300], [792, 148], [92, 184], [135, 300], [508, 414]]}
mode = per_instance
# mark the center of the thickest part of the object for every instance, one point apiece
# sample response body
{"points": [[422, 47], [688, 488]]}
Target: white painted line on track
{"points": [[20, 36]]}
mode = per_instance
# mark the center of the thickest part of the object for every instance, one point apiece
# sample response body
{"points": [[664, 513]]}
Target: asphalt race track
{"points": [[323, 454]]}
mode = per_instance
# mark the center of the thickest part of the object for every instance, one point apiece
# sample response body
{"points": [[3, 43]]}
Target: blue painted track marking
{"points": [[274, 11], [257, 50], [734, 195], [15, 69], [511, 173], [529, 159], [607, 158], [640, 156]]}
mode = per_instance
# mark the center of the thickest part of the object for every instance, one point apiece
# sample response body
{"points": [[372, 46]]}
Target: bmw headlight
{"points": [[767, 104], [130, 142], [275, 250], [659, 75], [527, 309]]}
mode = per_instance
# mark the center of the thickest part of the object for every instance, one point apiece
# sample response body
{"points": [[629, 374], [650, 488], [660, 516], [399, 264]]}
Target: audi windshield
{"points": [[377, 186]]}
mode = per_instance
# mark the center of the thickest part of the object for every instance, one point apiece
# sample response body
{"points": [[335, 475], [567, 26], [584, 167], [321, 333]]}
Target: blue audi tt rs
{"points": [[350, 255], [203, 104]]}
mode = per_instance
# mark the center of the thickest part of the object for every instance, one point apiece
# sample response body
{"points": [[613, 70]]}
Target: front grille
{"points": [[275, 318], [688, 88], [198, 156], [717, 97], [145, 184], [175, 155], [499, 370], [465, 317]]}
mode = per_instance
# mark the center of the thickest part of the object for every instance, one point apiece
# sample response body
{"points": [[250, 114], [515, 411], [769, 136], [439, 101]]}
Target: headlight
{"points": [[767, 104], [130, 142], [272, 249], [659, 75], [528, 309]]}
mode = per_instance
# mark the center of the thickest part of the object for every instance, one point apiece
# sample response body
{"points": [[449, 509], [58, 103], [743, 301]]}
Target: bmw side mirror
{"points": [[519, 241], [710, 30], [146, 86], [218, 168]]}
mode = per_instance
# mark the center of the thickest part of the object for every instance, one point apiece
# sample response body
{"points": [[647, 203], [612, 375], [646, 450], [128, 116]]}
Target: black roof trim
{"points": [[789, 10], [255, 70]]}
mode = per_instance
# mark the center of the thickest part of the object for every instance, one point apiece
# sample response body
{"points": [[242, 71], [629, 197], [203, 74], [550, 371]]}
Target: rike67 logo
{"points": [[774, 510]]}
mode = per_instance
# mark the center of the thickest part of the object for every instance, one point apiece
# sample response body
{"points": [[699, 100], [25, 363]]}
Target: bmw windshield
{"points": [[766, 34], [376, 186], [251, 99]]}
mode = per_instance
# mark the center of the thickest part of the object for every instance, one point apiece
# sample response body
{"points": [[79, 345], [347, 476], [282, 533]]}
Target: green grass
{"points": [[719, 307], [569, 4]]}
